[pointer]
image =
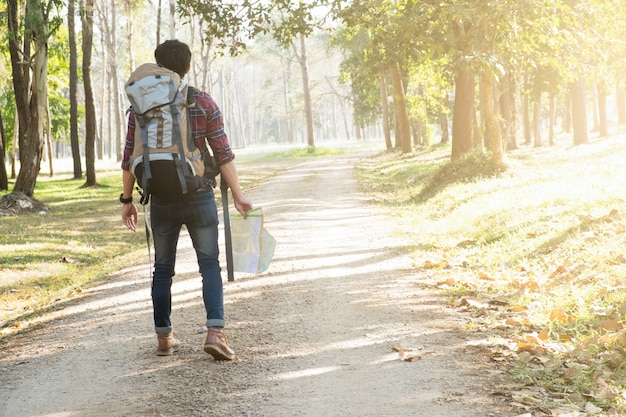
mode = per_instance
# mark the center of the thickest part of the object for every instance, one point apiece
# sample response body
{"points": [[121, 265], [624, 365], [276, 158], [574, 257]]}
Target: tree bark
{"points": [[31, 143], [579, 112], [306, 89], [508, 111], [90, 111], [385, 110], [621, 104], [4, 180], [74, 144], [402, 116], [463, 113], [49, 138], [603, 124], [493, 135], [537, 119]]}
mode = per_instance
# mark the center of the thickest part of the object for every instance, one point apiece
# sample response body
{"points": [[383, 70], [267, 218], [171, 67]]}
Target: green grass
{"points": [[543, 235], [44, 258]]}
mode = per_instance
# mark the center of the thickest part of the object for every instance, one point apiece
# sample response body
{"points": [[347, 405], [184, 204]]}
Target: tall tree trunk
{"points": [[493, 135], [158, 28], [31, 146], [172, 19], [603, 124], [526, 120], [443, 123], [130, 59], [507, 109], [463, 113], [552, 119], [4, 181], [288, 134], [402, 115], [537, 119], [308, 107], [74, 144], [115, 87], [567, 113], [579, 112], [90, 110], [49, 139], [621, 104], [385, 110]]}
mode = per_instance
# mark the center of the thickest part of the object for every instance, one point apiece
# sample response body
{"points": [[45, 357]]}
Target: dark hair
{"points": [[173, 55]]}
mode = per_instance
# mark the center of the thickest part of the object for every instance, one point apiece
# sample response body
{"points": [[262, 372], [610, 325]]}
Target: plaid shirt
{"points": [[209, 128]]}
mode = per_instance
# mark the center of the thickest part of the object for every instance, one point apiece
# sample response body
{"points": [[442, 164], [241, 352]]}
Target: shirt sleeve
{"points": [[130, 141], [207, 125]]}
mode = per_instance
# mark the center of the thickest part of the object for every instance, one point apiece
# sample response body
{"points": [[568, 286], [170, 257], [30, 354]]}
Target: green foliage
{"points": [[7, 110], [533, 259], [474, 166]]}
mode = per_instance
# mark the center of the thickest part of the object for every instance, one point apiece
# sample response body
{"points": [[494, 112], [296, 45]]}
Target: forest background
{"points": [[451, 87], [325, 69]]}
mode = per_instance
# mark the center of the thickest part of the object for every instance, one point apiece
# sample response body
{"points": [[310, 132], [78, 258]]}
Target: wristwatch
{"points": [[125, 200]]}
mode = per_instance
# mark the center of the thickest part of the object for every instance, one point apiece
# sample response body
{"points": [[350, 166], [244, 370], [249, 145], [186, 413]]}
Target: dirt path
{"points": [[314, 335]]}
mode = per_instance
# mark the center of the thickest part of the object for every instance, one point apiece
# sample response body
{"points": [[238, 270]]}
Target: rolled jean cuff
{"points": [[215, 323], [163, 330]]}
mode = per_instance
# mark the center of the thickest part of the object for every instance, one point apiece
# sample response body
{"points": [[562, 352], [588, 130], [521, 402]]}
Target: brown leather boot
{"points": [[167, 344], [216, 345]]}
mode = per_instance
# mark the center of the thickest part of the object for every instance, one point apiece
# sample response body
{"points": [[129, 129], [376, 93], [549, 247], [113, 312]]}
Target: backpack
{"points": [[159, 100]]}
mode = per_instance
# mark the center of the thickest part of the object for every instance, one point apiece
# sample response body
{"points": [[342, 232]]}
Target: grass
{"points": [[45, 258], [532, 252]]}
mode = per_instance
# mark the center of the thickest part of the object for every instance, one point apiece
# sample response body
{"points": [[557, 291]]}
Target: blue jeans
{"points": [[198, 212]]}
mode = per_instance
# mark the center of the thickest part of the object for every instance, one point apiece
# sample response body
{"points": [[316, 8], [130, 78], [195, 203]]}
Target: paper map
{"points": [[253, 246]]}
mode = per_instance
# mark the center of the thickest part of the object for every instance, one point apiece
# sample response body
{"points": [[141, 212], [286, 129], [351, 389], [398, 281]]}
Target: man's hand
{"points": [[242, 204], [129, 216]]}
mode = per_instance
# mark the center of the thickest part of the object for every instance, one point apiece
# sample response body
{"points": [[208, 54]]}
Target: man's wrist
{"points": [[125, 200]]}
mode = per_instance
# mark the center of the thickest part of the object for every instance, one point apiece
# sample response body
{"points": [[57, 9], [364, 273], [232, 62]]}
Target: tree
{"points": [[90, 111], [31, 94], [306, 89], [73, 83]]}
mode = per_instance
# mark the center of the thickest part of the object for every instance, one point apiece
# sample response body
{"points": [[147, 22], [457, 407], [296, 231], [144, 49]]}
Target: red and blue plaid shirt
{"points": [[207, 125]]}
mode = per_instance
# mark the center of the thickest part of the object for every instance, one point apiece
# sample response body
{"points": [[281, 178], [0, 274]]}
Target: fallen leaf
{"points": [[484, 276], [449, 282], [526, 399], [544, 334], [611, 325]]}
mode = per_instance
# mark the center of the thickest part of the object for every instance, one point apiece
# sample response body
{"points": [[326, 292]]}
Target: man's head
{"points": [[174, 55]]}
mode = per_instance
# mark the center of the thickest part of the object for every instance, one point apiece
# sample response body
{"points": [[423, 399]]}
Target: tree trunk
{"points": [[158, 27], [507, 109], [537, 119], [308, 108], [621, 104], [49, 138], [172, 19], [552, 119], [385, 110], [567, 116], [402, 116], [74, 144], [4, 181], [31, 146], [603, 124], [526, 119], [463, 113], [579, 112], [443, 123], [118, 123], [493, 135], [90, 111]]}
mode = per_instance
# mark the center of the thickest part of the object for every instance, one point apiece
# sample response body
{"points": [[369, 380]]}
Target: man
{"points": [[196, 209]]}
